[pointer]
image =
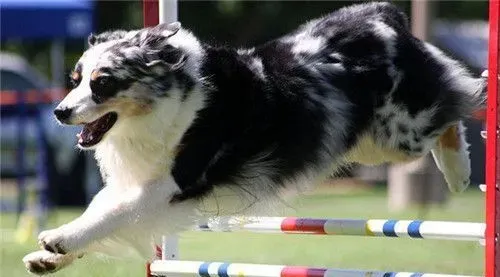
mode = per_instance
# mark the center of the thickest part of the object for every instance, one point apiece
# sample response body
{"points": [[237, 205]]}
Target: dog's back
{"points": [[399, 96]]}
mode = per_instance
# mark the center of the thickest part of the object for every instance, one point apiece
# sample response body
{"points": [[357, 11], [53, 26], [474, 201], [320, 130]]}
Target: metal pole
{"points": [[168, 11], [168, 14], [20, 152], [57, 63], [420, 14], [420, 181], [155, 12]]}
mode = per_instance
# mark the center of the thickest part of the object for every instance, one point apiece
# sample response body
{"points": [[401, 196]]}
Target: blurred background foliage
{"points": [[229, 22]]}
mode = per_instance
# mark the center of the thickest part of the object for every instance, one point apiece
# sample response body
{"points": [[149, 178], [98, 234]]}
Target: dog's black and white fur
{"points": [[175, 122]]}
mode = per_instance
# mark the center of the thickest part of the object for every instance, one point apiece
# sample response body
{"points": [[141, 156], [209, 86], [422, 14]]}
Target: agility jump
{"points": [[488, 233]]}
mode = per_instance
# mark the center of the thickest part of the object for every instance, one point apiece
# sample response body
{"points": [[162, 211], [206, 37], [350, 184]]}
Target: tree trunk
{"points": [[419, 182]]}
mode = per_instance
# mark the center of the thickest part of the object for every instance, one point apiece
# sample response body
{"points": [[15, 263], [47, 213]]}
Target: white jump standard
{"points": [[415, 229]]}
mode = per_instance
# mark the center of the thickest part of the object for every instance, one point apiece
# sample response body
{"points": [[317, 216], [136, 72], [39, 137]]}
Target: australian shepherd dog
{"points": [[175, 122]]}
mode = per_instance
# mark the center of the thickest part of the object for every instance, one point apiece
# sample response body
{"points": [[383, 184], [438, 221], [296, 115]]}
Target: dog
{"points": [[175, 122]]}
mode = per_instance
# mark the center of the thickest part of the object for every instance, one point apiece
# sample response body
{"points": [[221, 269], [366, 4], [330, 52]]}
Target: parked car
{"points": [[65, 166]]}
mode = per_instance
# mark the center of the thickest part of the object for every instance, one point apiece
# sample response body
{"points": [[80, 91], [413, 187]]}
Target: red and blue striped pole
{"points": [[219, 269], [417, 229]]}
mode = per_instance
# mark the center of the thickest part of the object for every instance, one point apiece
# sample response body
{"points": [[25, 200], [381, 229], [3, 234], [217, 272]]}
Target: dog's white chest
{"points": [[369, 152]]}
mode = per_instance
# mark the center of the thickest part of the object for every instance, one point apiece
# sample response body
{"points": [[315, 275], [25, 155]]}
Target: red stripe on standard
{"points": [[301, 271], [158, 251], [492, 249], [150, 13], [10, 97], [303, 225], [148, 270]]}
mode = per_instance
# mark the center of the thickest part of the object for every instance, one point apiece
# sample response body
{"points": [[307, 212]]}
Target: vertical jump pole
{"points": [[492, 261], [168, 11], [155, 12], [150, 17]]}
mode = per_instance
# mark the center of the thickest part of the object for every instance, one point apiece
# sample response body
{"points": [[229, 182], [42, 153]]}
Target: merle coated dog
{"points": [[175, 122]]}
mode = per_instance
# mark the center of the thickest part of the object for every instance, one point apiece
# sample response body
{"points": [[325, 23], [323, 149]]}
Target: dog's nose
{"points": [[62, 114]]}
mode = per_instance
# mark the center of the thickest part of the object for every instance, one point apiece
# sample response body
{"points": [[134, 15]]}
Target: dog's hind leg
{"points": [[452, 157]]}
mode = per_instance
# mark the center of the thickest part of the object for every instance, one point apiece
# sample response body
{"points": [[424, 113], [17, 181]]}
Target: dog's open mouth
{"points": [[94, 131]]}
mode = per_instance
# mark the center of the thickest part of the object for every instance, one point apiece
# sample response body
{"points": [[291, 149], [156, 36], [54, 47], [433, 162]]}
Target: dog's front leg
{"points": [[111, 210], [42, 262]]}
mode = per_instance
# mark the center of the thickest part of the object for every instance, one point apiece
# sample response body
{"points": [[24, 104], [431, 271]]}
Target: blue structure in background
{"points": [[39, 20], [45, 19]]}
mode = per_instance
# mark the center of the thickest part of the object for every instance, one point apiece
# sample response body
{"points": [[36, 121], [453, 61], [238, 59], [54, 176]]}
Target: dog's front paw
{"points": [[43, 262], [57, 241]]}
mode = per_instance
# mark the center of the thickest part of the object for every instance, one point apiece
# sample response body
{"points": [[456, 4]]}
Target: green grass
{"points": [[341, 252]]}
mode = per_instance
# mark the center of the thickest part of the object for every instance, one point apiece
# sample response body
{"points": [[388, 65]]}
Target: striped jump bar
{"points": [[217, 269], [445, 230]]}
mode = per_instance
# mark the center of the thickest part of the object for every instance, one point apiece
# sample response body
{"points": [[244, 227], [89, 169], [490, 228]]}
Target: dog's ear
{"points": [[160, 66], [167, 59], [161, 55], [167, 29], [91, 39], [94, 39]]}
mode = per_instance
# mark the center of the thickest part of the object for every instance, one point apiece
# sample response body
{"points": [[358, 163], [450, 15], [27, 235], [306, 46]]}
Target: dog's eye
{"points": [[104, 80], [103, 87], [74, 80]]}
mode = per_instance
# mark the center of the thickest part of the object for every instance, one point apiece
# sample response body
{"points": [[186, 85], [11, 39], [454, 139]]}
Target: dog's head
{"points": [[124, 74]]}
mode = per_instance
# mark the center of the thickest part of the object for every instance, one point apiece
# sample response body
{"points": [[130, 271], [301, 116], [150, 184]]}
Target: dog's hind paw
{"points": [[452, 158], [43, 262]]}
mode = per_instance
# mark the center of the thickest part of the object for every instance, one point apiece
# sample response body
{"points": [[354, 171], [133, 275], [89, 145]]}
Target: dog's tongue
{"points": [[93, 132], [89, 133]]}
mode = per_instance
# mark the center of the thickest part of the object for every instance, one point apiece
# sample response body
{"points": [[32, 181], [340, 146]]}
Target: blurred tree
{"points": [[231, 22], [116, 14], [462, 10], [241, 23]]}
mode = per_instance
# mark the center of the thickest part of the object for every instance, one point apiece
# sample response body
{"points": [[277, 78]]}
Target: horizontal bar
{"points": [[47, 96], [444, 230], [218, 269]]}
